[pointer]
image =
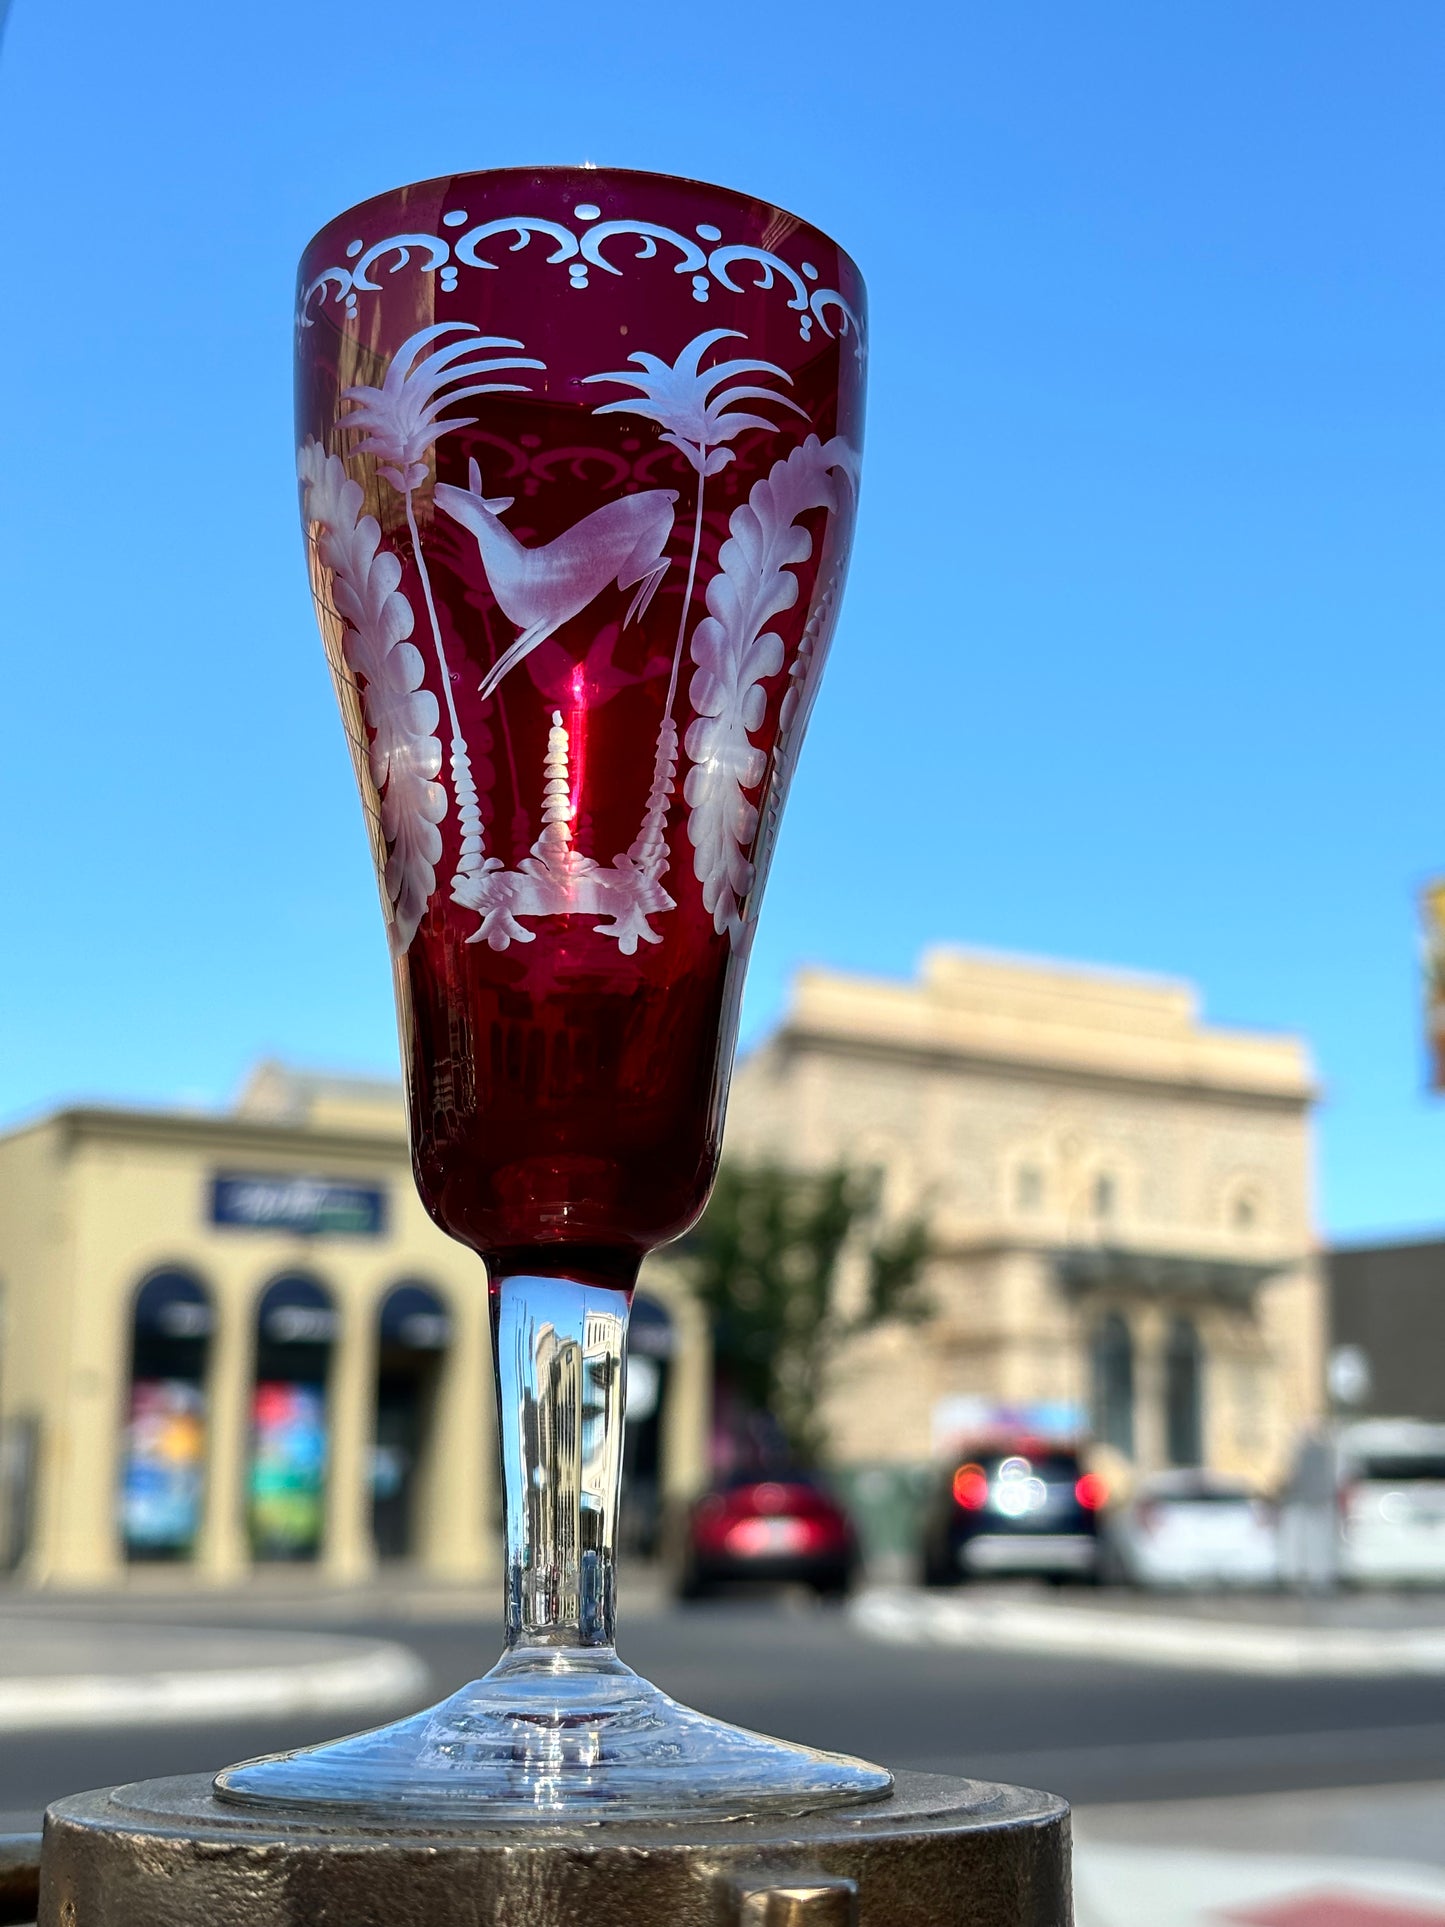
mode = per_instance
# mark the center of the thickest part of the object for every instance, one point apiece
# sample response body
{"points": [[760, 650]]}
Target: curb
{"points": [[373, 1676], [904, 1617]]}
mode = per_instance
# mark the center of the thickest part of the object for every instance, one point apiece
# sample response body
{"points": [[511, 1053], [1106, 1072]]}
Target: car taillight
{"points": [[970, 1487], [1091, 1491]]}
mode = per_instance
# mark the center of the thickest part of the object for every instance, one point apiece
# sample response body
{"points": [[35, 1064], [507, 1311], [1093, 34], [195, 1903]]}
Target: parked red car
{"points": [[781, 1529]]}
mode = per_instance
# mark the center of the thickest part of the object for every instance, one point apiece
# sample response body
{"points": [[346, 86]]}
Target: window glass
{"points": [[1112, 1362], [1400, 1468], [164, 1459], [1058, 1467], [296, 1324], [1183, 1403]]}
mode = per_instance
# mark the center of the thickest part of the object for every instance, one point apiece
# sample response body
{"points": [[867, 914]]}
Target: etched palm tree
{"points": [[697, 410], [400, 422]]}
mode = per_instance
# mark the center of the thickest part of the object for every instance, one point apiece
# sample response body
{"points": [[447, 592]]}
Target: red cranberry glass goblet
{"points": [[578, 458]]}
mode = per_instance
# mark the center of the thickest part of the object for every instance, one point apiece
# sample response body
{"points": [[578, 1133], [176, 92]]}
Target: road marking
{"points": [[902, 1616], [1122, 1886], [374, 1676]]}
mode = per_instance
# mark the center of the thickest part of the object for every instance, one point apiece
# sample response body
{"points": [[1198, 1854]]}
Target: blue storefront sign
{"points": [[313, 1207]]}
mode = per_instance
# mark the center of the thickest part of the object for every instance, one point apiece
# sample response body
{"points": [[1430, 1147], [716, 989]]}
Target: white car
{"points": [[1392, 1502], [1194, 1528]]}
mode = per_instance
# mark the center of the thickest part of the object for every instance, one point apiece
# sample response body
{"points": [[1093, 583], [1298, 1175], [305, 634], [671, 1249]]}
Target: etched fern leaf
{"points": [[735, 651], [404, 755]]}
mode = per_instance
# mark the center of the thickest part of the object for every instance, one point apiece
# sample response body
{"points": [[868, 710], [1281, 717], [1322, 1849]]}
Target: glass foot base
{"points": [[566, 1736]]}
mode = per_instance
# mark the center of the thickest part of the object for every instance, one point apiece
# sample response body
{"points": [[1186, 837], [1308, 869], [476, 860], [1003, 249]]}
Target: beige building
{"points": [[234, 1339], [238, 1338], [1119, 1197]]}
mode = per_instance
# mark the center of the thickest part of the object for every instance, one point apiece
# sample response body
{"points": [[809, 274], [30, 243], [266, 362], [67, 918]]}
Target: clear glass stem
{"points": [[559, 1729], [558, 1347]]}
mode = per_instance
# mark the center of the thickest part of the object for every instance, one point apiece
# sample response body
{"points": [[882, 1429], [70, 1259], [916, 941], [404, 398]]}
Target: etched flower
{"points": [[401, 419], [679, 396]]}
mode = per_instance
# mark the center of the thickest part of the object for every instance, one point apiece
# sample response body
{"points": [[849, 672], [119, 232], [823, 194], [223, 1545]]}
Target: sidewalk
{"points": [[62, 1672], [395, 1595], [1344, 1636], [1352, 1857]]}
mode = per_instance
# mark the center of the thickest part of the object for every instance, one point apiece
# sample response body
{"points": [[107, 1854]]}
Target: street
{"points": [[1093, 1732]]}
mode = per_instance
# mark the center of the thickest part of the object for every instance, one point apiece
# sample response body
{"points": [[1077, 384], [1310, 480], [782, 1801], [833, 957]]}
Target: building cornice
{"points": [[246, 1137], [1097, 1029], [1054, 1065], [1085, 1270], [972, 1238]]}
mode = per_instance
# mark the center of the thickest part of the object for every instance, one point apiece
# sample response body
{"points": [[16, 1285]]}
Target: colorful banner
{"points": [[288, 1470], [1432, 958], [963, 1421], [165, 1466]]}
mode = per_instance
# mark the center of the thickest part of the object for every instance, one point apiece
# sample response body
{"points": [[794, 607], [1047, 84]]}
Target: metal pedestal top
{"points": [[936, 1853]]}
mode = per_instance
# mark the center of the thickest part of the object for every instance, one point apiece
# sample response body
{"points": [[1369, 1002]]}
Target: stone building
{"points": [[1118, 1194]]}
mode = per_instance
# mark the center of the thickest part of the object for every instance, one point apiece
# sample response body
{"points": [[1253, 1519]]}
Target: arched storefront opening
{"points": [[651, 1342], [295, 1330], [415, 1331], [1112, 1359], [164, 1476], [1184, 1394]]}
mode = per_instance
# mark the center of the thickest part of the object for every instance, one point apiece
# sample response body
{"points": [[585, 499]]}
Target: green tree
{"points": [[764, 1261]]}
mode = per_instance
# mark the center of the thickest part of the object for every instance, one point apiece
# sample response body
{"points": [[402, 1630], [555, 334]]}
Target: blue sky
{"points": [[1141, 661]]}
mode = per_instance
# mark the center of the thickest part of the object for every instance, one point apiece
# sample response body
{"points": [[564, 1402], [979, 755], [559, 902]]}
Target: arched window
{"points": [[163, 1487], [1028, 1189], [414, 1330], [1104, 1196], [1113, 1376], [416, 1318], [295, 1311], [651, 1344], [170, 1307], [1183, 1394], [295, 1327], [1245, 1204]]}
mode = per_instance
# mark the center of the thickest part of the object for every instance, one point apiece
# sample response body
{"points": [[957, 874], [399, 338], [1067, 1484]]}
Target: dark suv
{"points": [[1019, 1507]]}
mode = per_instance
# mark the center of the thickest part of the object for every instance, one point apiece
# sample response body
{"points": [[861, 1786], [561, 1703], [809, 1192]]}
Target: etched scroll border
{"points": [[581, 251]]}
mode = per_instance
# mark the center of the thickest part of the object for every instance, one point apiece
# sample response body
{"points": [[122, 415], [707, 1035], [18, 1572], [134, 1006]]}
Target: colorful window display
{"points": [[162, 1497], [288, 1470], [165, 1461]]}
